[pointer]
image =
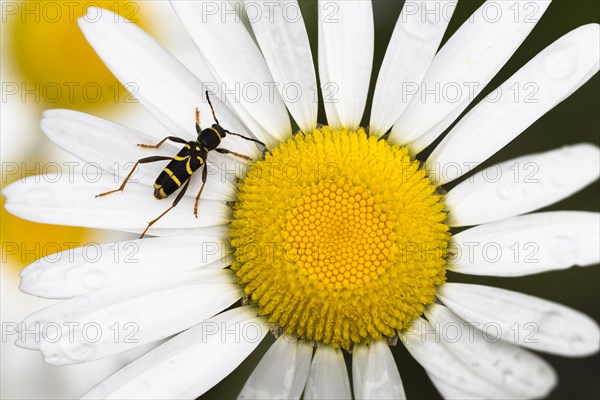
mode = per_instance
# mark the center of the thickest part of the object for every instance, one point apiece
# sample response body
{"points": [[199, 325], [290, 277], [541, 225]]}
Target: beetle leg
{"points": [[204, 174], [177, 199], [140, 161], [156, 146], [225, 151]]}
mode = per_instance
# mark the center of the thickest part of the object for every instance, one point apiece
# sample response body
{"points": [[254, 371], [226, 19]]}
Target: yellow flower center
{"points": [[339, 237]]}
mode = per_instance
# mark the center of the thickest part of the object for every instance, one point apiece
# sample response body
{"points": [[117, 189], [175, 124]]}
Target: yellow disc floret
{"points": [[339, 237]]}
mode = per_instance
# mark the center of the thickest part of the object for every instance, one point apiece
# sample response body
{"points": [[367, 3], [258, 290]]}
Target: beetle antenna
{"points": [[247, 138], [212, 108]]}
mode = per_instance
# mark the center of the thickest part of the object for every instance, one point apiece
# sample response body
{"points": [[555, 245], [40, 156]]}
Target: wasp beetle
{"points": [[190, 158]]}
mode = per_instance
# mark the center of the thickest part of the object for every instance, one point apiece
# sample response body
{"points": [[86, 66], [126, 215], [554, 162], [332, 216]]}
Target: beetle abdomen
{"points": [[179, 170]]}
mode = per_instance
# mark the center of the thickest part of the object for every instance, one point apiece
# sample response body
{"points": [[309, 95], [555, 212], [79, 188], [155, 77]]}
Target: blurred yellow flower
{"points": [[57, 64]]}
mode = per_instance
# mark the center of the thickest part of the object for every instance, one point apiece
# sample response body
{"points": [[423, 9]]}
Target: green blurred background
{"points": [[575, 120]]}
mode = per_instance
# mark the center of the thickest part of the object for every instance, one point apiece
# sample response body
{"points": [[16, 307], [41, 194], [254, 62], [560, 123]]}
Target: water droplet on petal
{"points": [[53, 359], [563, 250], [504, 192], [84, 351], [559, 180], [487, 52], [561, 62], [95, 280]]}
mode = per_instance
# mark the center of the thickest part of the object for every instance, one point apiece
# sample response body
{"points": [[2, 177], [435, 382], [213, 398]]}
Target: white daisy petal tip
{"points": [[528, 244], [81, 270], [92, 12], [140, 311], [12, 194], [523, 373], [523, 319], [71, 200], [522, 184], [172, 370]]}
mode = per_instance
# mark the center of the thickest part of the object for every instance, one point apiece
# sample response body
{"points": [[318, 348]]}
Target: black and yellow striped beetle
{"points": [[192, 156]]}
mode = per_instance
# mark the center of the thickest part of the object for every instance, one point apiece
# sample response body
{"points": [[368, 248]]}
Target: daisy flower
{"points": [[336, 240]]}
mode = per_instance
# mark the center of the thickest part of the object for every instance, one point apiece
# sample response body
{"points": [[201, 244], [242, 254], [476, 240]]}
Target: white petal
{"points": [[346, 37], [114, 148], [123, 317], [416, 38], [189, 364], [70, 200], [328, 378], [374, 372], [214, 230], [80, 270], [523, 319], [164, 86], [553, 75], [523, 374], [449, 391], [522, 185], [329, 89], [424, 345], [282, 372], [237, 64], [465, 65], [528, 244], [282, 37]]}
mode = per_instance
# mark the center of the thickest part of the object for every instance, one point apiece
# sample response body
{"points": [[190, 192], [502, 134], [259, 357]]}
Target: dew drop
{"points": [[423, 31], [487, 52], [563, 250], [561, 62], [35, 276], [70, 271], [53, 359], [577, 339], [95, 280], [558, 180], [507, 376], [504, 192], [84, 351]]}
